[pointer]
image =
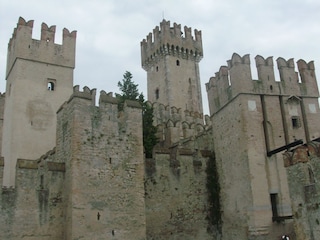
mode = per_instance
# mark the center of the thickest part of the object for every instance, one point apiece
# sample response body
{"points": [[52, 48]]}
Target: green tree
{"points": [[129, 90]]}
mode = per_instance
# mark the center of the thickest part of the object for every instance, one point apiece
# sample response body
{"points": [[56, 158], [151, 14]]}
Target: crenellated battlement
{"points": [[174, 125], [108, 104], [168, 40], [87, 93], [22, 46], [236, 78], [163, 113], [48, 33]]}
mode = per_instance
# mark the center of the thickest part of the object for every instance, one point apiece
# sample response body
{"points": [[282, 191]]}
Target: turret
{"points": [[171, 59]]}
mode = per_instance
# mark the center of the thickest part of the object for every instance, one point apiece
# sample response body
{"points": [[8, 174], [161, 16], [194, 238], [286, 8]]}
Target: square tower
{"points": [[39, 79], [171, 59], [254, 122]]}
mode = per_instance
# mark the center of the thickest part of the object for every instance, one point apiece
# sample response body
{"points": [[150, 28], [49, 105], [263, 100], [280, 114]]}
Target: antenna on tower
{"points": [[162, 15]]}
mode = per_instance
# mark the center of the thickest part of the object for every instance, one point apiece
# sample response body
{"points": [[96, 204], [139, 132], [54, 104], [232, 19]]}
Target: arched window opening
{"points": [[157, 93], [178, 63], [51, 84]]}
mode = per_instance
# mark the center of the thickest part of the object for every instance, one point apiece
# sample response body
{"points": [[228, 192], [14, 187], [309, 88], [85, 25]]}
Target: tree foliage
{"points": [[128, 88], [129, 91]]}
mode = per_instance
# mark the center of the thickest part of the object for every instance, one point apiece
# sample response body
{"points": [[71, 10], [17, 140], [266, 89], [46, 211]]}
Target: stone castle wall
{"points": [[95, 182], [104, 188], [246, 178], [90, 185], [33, 210], [176, 192]]}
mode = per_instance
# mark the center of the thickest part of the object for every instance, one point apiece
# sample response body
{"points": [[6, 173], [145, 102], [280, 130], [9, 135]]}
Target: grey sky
{"points": [[110, 31]]}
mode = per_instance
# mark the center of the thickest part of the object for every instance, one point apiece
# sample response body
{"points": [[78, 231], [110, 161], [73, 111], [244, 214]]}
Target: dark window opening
{"points": [[271, 87], [178, 63], [295, 122], [157, 93], [41, 182], [274, 200], [51, 86], [157, 68]]}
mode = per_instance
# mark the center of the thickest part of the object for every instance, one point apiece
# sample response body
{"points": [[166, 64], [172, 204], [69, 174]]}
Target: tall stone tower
{"points": [[254, 122], [39, 79], [171, 59]]}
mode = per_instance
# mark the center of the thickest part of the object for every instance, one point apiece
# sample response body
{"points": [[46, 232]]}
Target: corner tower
{"points": [[171, 59], [39, 79], [254, 122]]}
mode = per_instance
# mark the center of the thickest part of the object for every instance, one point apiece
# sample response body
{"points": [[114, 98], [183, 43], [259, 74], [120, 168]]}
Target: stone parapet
{"points": [[168, 40], [236, 78], [22, 46]]}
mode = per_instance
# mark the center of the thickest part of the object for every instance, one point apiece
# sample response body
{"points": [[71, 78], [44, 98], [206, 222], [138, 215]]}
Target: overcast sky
{"points": [[109, 32]]}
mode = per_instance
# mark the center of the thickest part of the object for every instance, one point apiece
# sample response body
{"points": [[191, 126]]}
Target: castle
{"points": [[74, 169]]}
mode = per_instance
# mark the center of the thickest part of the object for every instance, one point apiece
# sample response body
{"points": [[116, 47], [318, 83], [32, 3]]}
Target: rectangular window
{"points": [[295, 122]]}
